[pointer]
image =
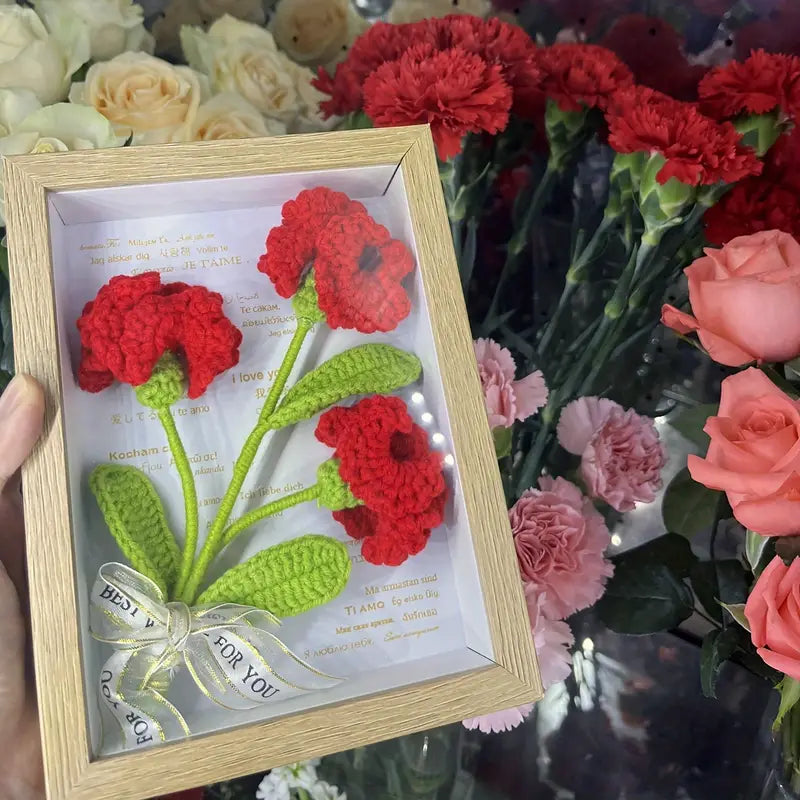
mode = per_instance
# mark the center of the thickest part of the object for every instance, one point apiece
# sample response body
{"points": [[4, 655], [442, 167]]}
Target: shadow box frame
{"points": [[509, 679]]}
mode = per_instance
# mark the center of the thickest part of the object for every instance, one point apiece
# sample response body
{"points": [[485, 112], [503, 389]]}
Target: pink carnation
{"points": [[560, 539], [506, 399], [499, 721], [621, 454], [552, 639]]}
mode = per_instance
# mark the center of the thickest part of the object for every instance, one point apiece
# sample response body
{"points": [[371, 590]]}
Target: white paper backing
{"points": [[391, 626]]}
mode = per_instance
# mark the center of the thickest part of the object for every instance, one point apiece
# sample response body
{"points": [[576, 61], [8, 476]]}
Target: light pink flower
{"points": [[621, 454], [499, 721], [551, 638], [560, 539], [506, 399]]}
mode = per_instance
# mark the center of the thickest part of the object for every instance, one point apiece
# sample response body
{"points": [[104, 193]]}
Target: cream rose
{"points": [[144, 96], [316, 32], [240, 57], [32, 58], [177, 13], [113, 26], [26, 127], [230, 116], [415, 10]]}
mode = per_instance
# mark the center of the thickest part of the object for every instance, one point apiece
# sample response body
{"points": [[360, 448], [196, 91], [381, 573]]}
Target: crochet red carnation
{"points": [[761, 83], [134, 320], [454, 91], [388, 464], [291, 246], [752, 206], [697, 149], [582, 75], [358, 271]]}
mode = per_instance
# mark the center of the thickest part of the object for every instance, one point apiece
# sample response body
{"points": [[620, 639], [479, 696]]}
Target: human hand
{"points": [[21, 776]]}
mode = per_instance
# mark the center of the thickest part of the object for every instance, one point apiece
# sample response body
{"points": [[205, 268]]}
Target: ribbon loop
{"points": [[231, 651]]}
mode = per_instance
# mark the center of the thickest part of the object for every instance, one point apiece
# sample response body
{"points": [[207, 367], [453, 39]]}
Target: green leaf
{"points": [[367, 369], [286, 579], [736, 610], [670, 549], [502, 441], [690, 423], [688, 507], [790, 696], [135, 516], [645, 600], [718, 647], [755, 549], [714, 581]]}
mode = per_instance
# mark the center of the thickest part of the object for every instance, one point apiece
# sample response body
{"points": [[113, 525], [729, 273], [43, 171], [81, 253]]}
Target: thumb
{"points": [[21, 419]]}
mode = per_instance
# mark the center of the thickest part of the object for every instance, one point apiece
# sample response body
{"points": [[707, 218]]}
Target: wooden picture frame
{"points": [[509, 679]]}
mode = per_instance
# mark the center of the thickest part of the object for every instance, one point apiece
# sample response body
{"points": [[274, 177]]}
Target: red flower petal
{"points": [[358, 269], [133, 321], [291, 246]]}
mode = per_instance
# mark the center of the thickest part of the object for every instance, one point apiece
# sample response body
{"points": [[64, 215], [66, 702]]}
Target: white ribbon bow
{"points": [[228, 649]]}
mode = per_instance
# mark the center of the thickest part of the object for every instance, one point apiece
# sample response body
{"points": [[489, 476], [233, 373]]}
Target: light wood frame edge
{"points": [[513, 680]]}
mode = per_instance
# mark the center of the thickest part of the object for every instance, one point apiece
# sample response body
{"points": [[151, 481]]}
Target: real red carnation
{"points": [[753, 205], [134, 320], [454, 91], [777, 32], [358, 271], [582, 75], [386, 460], [291, 246], [762, 82], [697, 149], [380, 43], [782, 162], [508, 46], [654, 51]]}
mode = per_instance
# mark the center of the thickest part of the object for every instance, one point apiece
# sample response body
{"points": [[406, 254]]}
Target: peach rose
{"points": [[745, 299], [754, 454], [772, 611]]}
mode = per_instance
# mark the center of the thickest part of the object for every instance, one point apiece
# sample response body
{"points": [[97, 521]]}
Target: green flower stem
{"points": [[575, 277], [467, 261], [302, 794], [243, 464], [268, 510], [189, 497], [521, 237]]}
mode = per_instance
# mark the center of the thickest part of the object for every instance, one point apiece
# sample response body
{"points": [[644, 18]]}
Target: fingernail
{"points": [[17, 392]]}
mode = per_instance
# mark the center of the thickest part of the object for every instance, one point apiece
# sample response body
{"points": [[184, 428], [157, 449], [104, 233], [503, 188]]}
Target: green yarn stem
{"points": [[241, 468], [189, 497], [269, 510]]}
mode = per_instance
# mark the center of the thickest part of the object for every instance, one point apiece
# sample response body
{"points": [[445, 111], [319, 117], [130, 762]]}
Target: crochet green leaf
{"points": [[135, 516], [286, 579], [367, 369]]}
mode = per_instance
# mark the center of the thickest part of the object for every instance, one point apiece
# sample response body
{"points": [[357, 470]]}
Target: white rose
{"points": [[240, 57], [31, 58], [177, 13], [113, 26], [316, 32], [144, 96], [230, 116], [50, 129], [415, 10]]}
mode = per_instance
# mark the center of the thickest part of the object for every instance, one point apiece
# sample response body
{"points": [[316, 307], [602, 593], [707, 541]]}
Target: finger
{"points": [[12, 664], [21, 420]]}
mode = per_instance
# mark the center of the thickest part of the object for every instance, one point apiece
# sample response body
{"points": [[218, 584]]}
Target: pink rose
{"points": [[754, 454], [745, 299], [506, 399], [772, 611], [621, 454], [560, 539]]}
